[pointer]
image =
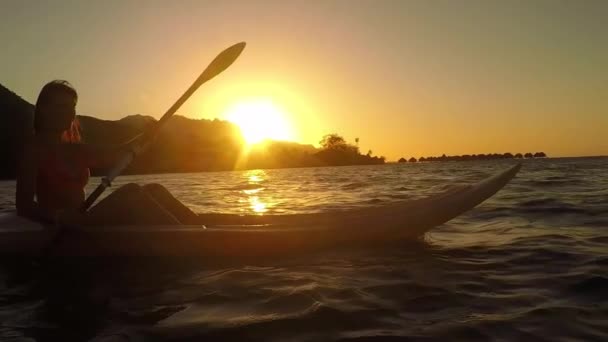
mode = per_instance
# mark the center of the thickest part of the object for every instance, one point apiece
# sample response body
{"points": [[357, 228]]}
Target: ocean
{"points": [[529, 264]]}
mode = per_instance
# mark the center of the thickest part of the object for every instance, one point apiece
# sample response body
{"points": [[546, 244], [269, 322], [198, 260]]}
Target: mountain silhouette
{"points": [[183, 144], [16, 122]]}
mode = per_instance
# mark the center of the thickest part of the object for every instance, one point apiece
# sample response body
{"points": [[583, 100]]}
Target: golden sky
{"points": [[408, 78]]}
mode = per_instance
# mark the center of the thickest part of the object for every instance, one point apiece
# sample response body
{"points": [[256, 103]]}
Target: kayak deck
{"points": [[237, 236]]}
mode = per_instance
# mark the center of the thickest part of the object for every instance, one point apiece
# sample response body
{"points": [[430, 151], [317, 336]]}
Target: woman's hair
{"points": [[70, 135]]}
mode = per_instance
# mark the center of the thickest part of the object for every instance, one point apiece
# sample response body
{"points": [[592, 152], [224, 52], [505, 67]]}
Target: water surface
{"points": [[531, 263]]}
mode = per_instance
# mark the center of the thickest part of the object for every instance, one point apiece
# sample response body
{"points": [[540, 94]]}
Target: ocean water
{"points": [[529, 264]]}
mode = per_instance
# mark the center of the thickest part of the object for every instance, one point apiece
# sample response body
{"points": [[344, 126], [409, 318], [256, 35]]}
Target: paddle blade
{"points": [[221, 62]]}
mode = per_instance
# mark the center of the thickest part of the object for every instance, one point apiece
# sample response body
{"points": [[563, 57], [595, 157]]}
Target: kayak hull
{"points": [[252, 236]]}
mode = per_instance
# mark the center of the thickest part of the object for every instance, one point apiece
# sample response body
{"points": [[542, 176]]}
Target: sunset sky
{"points": [[409, 78]]}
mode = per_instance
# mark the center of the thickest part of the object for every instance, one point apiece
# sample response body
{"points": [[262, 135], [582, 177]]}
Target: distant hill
{"points": [[16, 122], [183, 144]]}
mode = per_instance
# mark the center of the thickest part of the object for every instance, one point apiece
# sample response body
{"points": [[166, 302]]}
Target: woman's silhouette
{"points": [[54, 170]]}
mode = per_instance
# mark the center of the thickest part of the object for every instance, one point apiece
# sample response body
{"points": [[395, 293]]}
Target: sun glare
{"points": [[260, 120]]}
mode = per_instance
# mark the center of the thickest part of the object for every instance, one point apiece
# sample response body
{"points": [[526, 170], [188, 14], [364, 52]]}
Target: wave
{"points": [[246, 186], [594, 287], [556, 182], [550, 206], [354, 186]]}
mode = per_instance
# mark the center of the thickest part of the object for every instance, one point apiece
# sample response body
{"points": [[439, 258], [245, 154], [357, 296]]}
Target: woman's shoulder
{"points": [[36, 148]]}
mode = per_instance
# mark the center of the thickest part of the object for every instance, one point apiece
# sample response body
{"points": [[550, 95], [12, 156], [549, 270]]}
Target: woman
{"points": [[55, 169]]}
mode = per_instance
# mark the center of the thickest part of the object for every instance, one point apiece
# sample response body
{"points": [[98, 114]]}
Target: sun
{"points": [[259, 120]]}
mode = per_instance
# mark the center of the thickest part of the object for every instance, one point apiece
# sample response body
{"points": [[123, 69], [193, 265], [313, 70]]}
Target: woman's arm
{"points": [[26, 186], [100, 156], [96, 156]]}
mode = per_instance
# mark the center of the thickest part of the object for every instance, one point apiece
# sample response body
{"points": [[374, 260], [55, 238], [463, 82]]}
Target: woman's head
{"points": [[55, 111]]}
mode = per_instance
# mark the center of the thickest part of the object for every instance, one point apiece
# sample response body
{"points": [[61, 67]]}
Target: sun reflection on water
{"points": [[258, 204], [256, 177]]}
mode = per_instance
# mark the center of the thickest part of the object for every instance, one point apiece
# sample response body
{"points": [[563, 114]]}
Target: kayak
{"points": [[250, 236]]}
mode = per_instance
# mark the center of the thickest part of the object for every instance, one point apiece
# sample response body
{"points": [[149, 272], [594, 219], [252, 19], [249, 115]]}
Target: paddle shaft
{"points": [[219, 64]]}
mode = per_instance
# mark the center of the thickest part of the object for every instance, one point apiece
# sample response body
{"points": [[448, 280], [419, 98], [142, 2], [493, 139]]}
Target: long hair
{"points": [[70, 135]]}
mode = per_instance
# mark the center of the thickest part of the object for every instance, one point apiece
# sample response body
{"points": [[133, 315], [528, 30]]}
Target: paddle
{"points": [[219, 64]]}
